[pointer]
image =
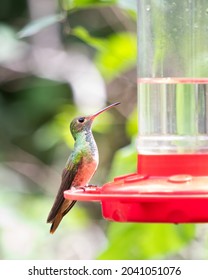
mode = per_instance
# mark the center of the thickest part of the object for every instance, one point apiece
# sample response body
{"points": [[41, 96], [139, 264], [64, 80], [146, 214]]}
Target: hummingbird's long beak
{"points": [[103, 110]]}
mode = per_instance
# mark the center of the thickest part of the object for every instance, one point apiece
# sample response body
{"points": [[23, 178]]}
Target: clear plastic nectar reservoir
{"points": [[172, 77]]}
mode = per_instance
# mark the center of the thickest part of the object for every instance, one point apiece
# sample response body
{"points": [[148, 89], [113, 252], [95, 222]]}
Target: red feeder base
{"points": [[158, 197], [138, 198]]}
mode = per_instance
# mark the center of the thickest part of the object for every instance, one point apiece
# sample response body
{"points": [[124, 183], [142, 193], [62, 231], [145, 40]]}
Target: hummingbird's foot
{"points": [[78, 188], [91, 186], [83, 188]]}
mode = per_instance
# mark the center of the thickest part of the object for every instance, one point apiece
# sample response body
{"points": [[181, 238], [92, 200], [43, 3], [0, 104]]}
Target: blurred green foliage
{"points": [[37, 103], [110, 59], [146, 241], [70, 4], [129, 5]]}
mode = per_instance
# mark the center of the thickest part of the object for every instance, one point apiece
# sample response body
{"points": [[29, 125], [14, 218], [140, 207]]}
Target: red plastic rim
{"points": [[177, 199], [144, 190]]}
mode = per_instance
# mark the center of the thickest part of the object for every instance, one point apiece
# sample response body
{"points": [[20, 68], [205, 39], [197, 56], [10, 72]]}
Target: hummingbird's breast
{"points": [[85, 172], [88, 165]]}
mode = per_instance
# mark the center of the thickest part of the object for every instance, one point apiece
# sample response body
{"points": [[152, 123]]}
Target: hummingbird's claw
{"points": [[91, 186], [83, 188], [78, 188]]}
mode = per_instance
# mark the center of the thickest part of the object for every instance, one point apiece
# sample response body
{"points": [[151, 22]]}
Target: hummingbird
{"points": [[80, 166]]}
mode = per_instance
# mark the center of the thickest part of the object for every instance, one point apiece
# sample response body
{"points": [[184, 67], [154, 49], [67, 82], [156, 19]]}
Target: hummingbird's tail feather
{"points": [[60, 214], [56, 223]]}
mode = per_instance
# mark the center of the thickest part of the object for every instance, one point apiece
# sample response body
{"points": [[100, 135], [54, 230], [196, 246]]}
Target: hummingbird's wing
{"points": [[68, 176]]}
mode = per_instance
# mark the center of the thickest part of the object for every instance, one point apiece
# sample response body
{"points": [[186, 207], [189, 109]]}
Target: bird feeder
{"points": [[171, 182]]}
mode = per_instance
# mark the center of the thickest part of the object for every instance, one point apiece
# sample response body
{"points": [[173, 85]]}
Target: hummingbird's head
{"points": [[83, 124], [80, 124]]}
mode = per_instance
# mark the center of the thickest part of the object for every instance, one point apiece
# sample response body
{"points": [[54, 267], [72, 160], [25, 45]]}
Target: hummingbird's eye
{"points": [[81, 120]]}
